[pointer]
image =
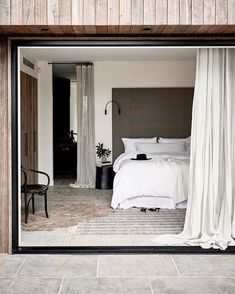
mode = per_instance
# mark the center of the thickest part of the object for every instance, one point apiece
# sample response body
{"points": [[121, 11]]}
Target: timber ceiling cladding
{"points": [[80, 17]]}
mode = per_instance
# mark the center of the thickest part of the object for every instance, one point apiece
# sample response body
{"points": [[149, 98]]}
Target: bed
{"points": [[159, 182]]}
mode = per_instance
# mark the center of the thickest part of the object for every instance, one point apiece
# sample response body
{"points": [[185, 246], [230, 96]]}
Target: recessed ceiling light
{"points": [[146, 29]]}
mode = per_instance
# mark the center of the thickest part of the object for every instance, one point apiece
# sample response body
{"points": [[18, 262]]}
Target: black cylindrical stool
{"points": [[104, 177]]}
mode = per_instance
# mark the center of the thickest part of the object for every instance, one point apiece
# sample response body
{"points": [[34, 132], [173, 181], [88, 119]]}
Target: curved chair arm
{"points": [[25, 179], [23, 169]]}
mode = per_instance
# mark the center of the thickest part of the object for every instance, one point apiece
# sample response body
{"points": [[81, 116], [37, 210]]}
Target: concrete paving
{"points": [[111, 274]]}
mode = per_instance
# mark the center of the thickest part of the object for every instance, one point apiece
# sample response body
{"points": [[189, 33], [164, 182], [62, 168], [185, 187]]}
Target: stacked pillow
{"points": [[176, 140], [129, 143], [161, 148], [150, 145]]}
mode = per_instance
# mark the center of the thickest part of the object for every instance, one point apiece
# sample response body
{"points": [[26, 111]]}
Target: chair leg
{"points": [[45, 200], [33, 204], [25, 208]]}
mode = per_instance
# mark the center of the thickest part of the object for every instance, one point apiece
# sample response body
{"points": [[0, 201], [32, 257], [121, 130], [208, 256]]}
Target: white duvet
{"points": [[164, 176]]}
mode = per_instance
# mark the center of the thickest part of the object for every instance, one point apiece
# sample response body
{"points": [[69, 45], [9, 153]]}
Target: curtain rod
{"points": [[77, 63]]}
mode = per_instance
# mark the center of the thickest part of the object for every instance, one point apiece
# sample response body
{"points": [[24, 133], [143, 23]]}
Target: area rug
{"points": [[134, 222], [65, 214]]}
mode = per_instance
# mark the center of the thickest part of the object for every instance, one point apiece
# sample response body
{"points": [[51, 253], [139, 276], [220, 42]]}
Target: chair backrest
{"points": [[27, 169]]}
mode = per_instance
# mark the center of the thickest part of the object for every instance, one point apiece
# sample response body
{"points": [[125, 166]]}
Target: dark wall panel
{"points": [[149, 112]]}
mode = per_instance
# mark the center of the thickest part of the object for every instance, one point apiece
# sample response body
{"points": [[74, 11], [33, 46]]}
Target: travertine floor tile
{"points": [[192, 285], [9, 265], [59, 266], [205, 265], [30, 286], [136, 265], [106, 286]]}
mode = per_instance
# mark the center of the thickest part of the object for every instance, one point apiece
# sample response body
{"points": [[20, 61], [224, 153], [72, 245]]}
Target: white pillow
{"points": [[160, 148], [176, 140], [129, 143]]}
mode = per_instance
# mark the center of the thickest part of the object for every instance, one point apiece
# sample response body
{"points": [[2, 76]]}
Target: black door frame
{"points": [[15, 44]]}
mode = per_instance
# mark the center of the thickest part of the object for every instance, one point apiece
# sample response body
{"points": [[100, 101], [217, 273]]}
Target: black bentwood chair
{"points": [[30, 190]]}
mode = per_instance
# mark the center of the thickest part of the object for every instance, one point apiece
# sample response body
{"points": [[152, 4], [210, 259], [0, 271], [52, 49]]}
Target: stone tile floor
{"points": [[101, 274]]}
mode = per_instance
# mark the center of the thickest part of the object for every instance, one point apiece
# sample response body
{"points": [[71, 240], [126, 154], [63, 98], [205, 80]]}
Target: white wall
{"points": [[45, 120], [110, 75]]}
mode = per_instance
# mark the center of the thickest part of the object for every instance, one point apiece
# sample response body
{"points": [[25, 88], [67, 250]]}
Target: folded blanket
{"points": [[180, 172]]}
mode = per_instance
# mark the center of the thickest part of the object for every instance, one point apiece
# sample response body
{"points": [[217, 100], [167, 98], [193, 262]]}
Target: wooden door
{"points": [[29, 125]]}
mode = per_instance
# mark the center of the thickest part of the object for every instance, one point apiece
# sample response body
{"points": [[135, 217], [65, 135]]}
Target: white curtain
{"points": [[86, 128], [210, 217]]}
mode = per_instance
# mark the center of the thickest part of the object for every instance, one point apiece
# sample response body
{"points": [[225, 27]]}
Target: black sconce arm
{"points": [[112, 101]]}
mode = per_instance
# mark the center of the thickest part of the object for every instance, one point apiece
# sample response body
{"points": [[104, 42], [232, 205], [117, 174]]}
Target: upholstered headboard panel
{"points": [[149, 112]]}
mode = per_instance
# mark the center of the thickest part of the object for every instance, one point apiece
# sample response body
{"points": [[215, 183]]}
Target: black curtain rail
{"points": [[76, 63]]}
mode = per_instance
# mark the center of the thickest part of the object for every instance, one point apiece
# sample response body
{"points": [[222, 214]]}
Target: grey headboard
{"points": [[150, 112]]}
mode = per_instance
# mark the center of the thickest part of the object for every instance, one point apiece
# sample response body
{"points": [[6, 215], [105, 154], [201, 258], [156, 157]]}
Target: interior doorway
{"points": [[64, 141]]}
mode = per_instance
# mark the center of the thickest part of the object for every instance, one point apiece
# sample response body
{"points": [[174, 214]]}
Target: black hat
{"points": [[141, 157]]}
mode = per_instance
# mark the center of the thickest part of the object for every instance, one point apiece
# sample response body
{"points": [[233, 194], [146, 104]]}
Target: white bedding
{"points": [[160, 182]]}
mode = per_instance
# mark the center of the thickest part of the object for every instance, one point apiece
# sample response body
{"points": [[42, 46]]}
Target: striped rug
{"points": [[134, 222]]}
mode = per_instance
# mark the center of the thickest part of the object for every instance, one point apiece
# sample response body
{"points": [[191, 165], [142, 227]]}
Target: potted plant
{"points": [[102, 152]]}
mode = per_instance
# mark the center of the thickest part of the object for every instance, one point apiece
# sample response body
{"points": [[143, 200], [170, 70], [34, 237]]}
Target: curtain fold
{"points": [[86, 128], [210, 216]]}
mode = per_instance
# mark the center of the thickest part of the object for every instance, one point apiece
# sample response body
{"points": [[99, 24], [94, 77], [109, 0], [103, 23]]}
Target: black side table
{"points": [[104, 177]]}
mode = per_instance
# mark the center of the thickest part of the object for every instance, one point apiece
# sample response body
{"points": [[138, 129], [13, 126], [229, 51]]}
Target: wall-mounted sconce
{"points": [[112, 101]]}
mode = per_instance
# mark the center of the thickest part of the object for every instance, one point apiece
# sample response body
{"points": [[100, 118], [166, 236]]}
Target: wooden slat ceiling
{"points": [[171, 30], [82, 17]]}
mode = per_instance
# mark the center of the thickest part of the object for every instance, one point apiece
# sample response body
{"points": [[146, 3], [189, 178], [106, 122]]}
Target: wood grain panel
{"points": [[173, 12], [5, 18], [68, 30], [113, 12], [65, 12], [5, 150], [231, 11], [150, 112], [167, 113], [161, 12], [142, 118], [114, 30], [137, 12], [28, 12], [16, 12], [101, 30], [53, 12], [209, 12], [40, 12], [29, 116], [186, 12], [149, 12], [125, 12], [77, 12], [221, 12], [101, 12], [89, 12], [197, 12], [157, 32], [90, 29], [121, 123], [124, 29], [56, 29]]}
